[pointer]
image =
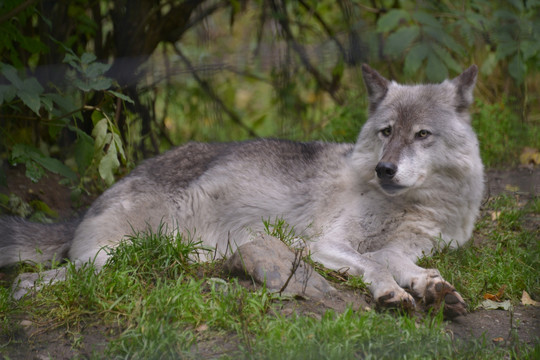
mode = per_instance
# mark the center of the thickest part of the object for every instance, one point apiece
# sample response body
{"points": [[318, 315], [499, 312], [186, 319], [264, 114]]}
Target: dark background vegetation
{"points": [[89, 88]]}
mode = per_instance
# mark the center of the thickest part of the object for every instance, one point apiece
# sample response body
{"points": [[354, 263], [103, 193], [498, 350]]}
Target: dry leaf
{"points": [[496, 297], [493, 305], [526, 299], [495, 215], [529, 156], [201, 328], [511, 188]]}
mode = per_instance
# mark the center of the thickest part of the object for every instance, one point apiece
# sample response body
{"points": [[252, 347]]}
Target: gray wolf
{"points": [[411, 183]]}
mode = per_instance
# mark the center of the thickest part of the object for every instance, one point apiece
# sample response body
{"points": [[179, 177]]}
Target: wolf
{"points": [[411, 183]]}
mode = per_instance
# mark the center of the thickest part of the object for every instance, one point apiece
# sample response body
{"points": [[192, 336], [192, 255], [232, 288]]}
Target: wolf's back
{"points": [[22, 240]]}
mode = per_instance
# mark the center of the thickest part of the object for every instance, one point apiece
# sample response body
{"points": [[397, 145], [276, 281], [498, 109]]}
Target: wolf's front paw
{"points": [[396, 299], [439, 290]]}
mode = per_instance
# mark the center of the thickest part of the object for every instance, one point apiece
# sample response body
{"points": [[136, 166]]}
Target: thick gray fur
{"points": [[412, 182]]}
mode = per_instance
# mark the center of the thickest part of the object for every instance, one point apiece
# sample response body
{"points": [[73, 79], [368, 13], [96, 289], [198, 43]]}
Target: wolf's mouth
{"points": [[391, 187]]}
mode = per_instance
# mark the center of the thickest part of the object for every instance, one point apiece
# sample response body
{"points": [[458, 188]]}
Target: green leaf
{"points": [[55, 166], [100, 84], [33, 171], [82, 85], [73, 60], [84, 152], [18, 206], [29, 154], [87, 58], [96, 69], [19, 154], [117, 141], [415, 57], [107, 166], [529, 49], [100, 133], [517, 68], [518, 4], [11, 74], [489, 64], [47, 103], [30, 99], [32, 85], [391, 19], [506, 48], [7, 93], [426, 19], [121, 96], [39, 205], [445, 56], [66, 103], [399, 41], [435, 69]]}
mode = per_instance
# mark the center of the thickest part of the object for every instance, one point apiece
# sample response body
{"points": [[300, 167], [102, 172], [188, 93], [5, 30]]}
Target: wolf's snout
{"points": [[386, 170]]}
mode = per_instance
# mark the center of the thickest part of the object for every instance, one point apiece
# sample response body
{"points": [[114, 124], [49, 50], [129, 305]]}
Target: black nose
{"points": [[386, 170]]}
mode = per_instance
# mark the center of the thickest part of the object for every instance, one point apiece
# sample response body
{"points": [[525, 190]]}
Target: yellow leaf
{"points": [[529, 156], [495, 215], [496, 297], [511, 188], [526, 299], [201, 328]]}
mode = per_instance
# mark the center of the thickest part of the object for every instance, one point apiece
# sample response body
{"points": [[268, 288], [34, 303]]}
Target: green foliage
{"points": [[315, 95], [62, 111], [436, 38], [35, 162]]}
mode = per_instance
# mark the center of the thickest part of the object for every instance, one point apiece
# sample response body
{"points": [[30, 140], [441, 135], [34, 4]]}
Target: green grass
{"points": [[508, 254], [502, 134], [163, 305]]}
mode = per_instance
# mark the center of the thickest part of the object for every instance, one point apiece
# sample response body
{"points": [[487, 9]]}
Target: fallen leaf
{"points": [[498, 339], [493, 305], [201, 328], [511, 188], [526, 299], [496, 297], [529, 156], [495, 215]]}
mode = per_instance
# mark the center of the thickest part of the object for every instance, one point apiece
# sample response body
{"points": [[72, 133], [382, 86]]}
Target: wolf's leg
{"points": [[426, 284], [341, 256]]}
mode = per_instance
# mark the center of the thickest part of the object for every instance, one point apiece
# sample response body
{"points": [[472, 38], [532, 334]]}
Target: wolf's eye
{"points": [[423, 134], [386, 131]]}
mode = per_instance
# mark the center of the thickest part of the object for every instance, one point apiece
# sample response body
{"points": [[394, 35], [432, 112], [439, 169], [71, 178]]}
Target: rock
{"points": [[269, 261]]}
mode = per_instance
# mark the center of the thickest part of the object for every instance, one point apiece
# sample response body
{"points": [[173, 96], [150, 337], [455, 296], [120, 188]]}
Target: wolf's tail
{"points": [[22, 240]]}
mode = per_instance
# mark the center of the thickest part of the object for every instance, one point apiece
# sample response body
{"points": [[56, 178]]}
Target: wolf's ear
{"points": [[376, 86], [464, 87]]}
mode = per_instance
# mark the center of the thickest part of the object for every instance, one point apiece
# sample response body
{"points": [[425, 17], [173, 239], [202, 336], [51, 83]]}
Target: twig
{"points": [[296, 263], [326, 28], [206, 87], [15, 11], [330, 87]]}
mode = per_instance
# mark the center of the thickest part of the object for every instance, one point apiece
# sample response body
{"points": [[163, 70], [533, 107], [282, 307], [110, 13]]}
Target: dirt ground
{"points": [[45, 341]]}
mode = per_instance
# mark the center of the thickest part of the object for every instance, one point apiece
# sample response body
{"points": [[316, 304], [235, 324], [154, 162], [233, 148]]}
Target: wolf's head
{"points": [[417, 133]]}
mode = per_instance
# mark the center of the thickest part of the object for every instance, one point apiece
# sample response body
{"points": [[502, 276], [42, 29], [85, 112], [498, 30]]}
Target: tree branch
{"points": [[328, 86], [17, 10], [206, 87], [326, 28]]}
